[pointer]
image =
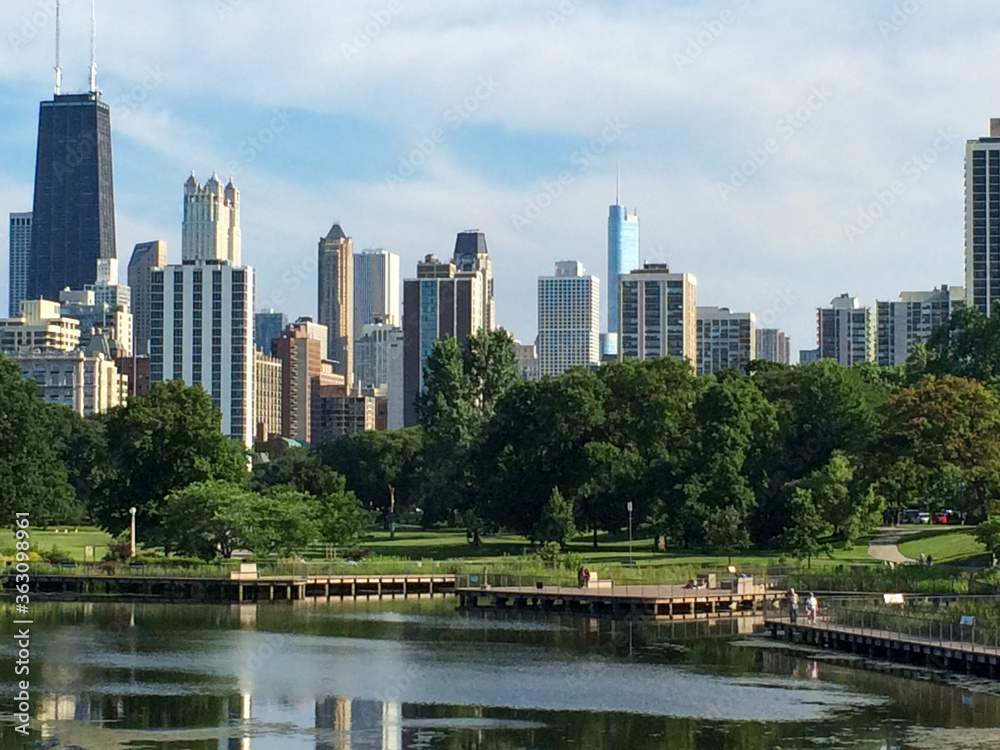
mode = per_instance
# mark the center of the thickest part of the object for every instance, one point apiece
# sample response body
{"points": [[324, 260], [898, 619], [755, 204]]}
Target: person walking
{"points": [[812, 607], [793, 605]]}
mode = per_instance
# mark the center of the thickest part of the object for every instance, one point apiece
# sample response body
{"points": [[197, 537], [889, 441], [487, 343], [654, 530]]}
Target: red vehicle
{"points": [[943, 516]]}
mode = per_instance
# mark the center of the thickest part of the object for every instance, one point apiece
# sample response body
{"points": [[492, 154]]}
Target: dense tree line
{"points": [[778, 457]]}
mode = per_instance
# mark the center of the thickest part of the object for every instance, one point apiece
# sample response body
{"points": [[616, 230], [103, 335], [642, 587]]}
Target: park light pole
{"points": [[631, 562], [132, 535]]}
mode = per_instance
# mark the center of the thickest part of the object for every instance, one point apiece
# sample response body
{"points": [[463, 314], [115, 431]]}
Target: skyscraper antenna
{"points": [[58, 81], [618, 183], [93, 46]]}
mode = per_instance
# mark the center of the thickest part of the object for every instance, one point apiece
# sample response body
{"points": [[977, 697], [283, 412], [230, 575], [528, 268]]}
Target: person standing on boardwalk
{"points": [[792, 600], [812, 606]]}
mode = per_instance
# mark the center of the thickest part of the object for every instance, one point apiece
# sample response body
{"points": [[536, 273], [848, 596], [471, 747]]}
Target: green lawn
{"points": [[944, 544], [72, 543]]}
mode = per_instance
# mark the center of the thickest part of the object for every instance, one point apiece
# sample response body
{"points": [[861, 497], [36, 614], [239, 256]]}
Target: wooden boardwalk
{"points": [[963, 656], [236, 589], [636, 602]]}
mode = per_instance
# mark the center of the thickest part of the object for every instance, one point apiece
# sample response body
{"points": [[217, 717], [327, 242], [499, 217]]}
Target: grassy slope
{"points": [[944, 544], [72, 543]]}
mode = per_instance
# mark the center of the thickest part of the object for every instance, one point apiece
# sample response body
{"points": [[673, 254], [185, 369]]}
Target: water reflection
{"points": [[392, 677]]}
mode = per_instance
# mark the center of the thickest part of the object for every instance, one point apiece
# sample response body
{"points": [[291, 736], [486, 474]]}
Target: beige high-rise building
{"points": [[267, 395], [305, 369], [472, 258], [145, 257], [569, 319], [211, 229], [910, 321], [774, 346], [40, 327], [87, 383], [846, 331], [336, 299], [657, 314], [726, 340]]}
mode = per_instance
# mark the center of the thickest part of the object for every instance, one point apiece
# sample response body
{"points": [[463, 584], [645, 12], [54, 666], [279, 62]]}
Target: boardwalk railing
{"points": [[880, 620]]}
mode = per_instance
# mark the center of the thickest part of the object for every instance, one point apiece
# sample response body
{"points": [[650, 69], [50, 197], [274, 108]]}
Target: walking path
{"points": [[884, 545]]}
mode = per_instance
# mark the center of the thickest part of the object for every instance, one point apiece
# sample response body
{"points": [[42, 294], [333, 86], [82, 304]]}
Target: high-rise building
{"points": [[302, 350], [472, 257], [336, 298], [982, 225], [379, 365], [846, 331], [910, 321], [569, 319], [211, 228], [526, 356], [135, 369], [19, 242], [338, 413], [773, 346], [201, 332], [623, 258], [439, 302], [808, 355], [726, 340], [267, 395], [73, 220], [376, 289], [657, 316], [40, 327], [145, 257], [96, 318], [267, 326]]}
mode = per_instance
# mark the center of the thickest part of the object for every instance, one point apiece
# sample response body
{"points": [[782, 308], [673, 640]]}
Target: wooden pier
{"points": [[965, 656], [648, 602], [236, 588]]}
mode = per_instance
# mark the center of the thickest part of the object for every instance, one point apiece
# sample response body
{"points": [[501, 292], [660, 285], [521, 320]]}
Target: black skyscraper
{"points": [[74, 210]]}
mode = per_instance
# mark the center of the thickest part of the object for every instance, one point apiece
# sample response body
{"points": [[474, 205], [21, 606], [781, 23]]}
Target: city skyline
{"points": [[682, 118]]}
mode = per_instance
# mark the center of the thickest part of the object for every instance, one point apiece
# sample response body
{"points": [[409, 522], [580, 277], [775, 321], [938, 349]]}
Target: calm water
{"points": [[389, 676]]}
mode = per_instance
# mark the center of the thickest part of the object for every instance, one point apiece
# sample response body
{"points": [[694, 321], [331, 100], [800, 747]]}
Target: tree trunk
{"points": [[595, 537], [392, 512]]}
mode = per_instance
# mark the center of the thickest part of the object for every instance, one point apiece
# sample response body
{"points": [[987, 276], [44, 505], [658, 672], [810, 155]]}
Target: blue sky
{"points": [[411, 120]]}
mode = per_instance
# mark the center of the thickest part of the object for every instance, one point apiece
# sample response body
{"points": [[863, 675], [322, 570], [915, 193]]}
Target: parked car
{"points": [[914, 515], [923, 517], [941, 516]]}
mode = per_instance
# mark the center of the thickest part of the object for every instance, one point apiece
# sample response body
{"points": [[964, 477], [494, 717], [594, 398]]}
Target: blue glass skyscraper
{"points": [[623, 257]]}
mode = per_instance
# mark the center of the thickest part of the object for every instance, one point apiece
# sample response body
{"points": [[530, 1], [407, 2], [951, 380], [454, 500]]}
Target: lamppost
{"points": [[631, 562], [132, 536]]}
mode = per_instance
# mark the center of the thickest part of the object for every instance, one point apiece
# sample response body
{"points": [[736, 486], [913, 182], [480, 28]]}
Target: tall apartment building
{"points": [[808, 355], [439, 302], [657, 315], [267, 396], [910, 321], [73, 217], [88, 383], [201, 332], [471, 257], [40, 327], [379, 365], [376, 289], [982, 220], [726, 340], [623, 258], [336, 298], [107, 290], [95, 318], [267, 326], [19, 244], [211, 228], [302, 350], [339, 413], [773, 346], [145, 257], [569, 319], [846, 331]]}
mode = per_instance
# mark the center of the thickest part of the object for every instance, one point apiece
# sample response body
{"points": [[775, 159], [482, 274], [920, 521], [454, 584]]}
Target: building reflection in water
{"points": [[239, 711], [345, 724]]}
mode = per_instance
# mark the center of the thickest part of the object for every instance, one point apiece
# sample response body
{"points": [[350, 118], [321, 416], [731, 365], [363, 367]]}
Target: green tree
{"points": [[205, 519], [851, 511], [32, 478], [988, 534], [282, 520], [968, 346], [726, 532], [556, 522], [806, 528], [160, 443], [295, 467], [342, 521]]}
